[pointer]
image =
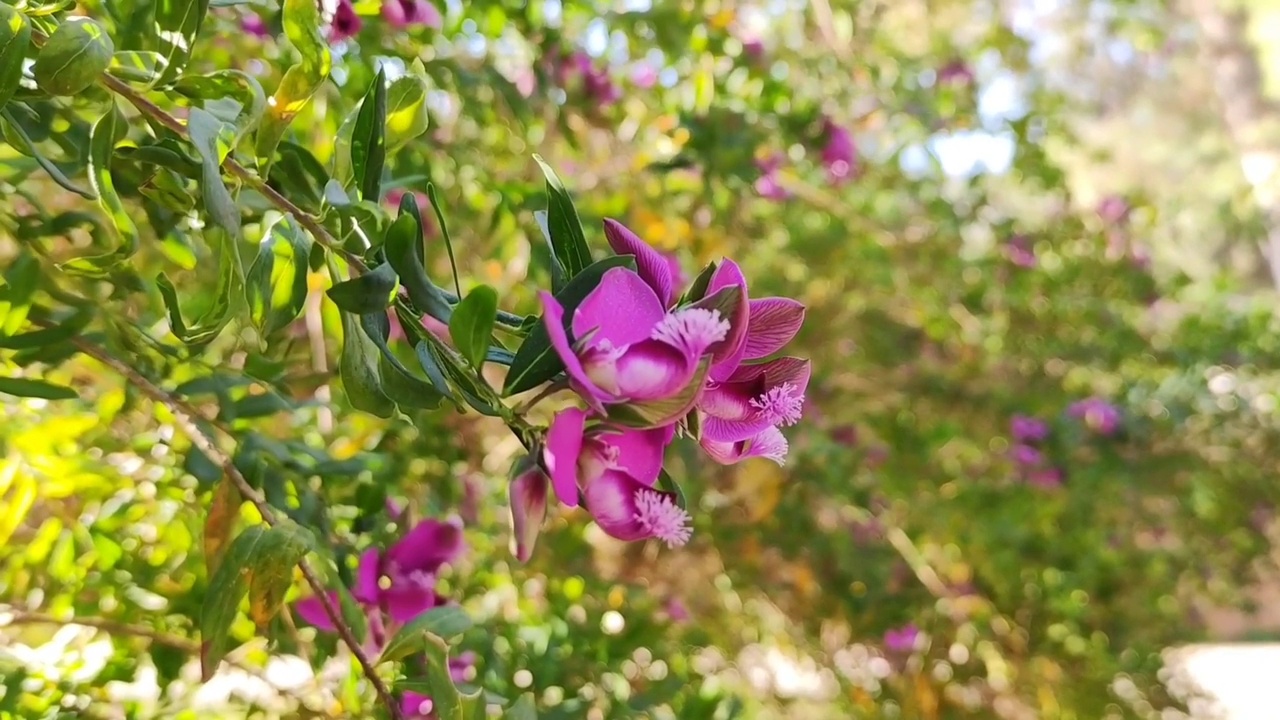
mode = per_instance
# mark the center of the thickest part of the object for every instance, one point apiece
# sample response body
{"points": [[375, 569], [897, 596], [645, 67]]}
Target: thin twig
{"points": [[186, 417]]}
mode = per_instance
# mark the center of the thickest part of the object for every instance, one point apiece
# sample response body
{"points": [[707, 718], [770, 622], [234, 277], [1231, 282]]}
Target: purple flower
{"points": [[1097, 414], [1025, 455], [1047, 478], [767, 185], [742, 415], [616, 470], [400, 582], [527, 501], [417, 706], [253, 24], [903, 639], [644, 76], [1020, 251], [346, 24], [753, 48], [1114, 209], [596, 82], [839, 154], [956, 72], [1028, 429], [404, 13], [627, 346]]}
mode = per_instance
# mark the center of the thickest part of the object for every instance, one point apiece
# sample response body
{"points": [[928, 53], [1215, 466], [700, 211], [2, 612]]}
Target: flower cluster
{"points": [[837, 152], [1029, 434], [595, 80], [395, 586], [646, 360], [346, 24]]}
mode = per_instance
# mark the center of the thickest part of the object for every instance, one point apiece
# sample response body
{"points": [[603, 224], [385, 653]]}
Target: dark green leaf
{"points": [[177, 23], [564, 226], [371, 292], [26, 387], [276, 284], [14, 131], [15, 40], [21, 279], [404, 387], [403, 246], [218, 315], [536, 361], [62, 332], [442, 622], [260, 562], [472, 324], [558, 278], [666, 483], [358, 367], [447, 702], [213, 139], [73, 58], [239, 92], [302, 25], [444, 232], [368, 140], [142, 66], [102, 142]]}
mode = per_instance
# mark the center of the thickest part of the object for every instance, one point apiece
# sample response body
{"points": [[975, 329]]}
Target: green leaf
{"points": [[403, 247], [448, 702], [368, 140], [444, 232], [302, 25], [177, 23], [14, 131], [524, 708], [666, 483], [260, 562], [102, 142], [15, 40], [276, 284], [358, 367], [536, 361], [558, 278], [26, 387], [232, 96], [73, 58], [21, 279], [407, 116], [447, 621], [213, 139], [210, 325], [220, 523], [472, 324], [45, 337], [564, 226], [143, 66], [406, 389], [371, 292]]}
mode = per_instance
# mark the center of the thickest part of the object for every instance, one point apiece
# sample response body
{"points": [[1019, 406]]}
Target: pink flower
{"points": [[839, 154], [346, 24], [1114, 210], [527, 502], [753, 48], [616, 471], [644, 76], [1026, 455], [627, 347], [1047, 478], [956, 72], [404, 13], [767, 185], [903, 639], [398, 583], [416, 706], [253, 24], [1020, 251], [1098, 415], [1028, 429]]}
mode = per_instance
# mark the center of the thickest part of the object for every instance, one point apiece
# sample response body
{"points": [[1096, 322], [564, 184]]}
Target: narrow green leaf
{"points": [[536, 361], [302, 25], [472, 324], [102, 142], [144, 66], [14, 131], [177, 23], [73, 58], [240, 94], [368, 140], [447, 621], [407, 116], [564, 226], [212, 322], [213, 139], [666, 483], [524, 708], [259, 562], [276, 284], [398, 383], [21, 279], [15, 40], [558, 278], [403, 247], [448, 703], [358, 367], [371, 292], [45, 337], [444, 232], [26, 387]]}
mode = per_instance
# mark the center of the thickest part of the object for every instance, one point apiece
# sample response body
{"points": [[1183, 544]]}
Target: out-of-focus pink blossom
{"points": [[644, 76], [1025, 455], [839, 154], [1021, 251], [753, 48], [767, 184], [1097, 414], [1114, 210], [1028, 429], [956, 72], [253, 24], [1048, 478], [406, 13], [903, 639], [346, 24]]}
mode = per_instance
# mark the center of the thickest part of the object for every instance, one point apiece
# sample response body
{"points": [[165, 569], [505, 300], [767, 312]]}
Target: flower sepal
{"points": [[660, 413]]}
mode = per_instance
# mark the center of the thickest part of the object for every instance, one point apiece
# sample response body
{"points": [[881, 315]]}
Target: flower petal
{"points": [[553, 319], [430, 544], [611, 499], [640, 451], [729, 354], [406, 602], [312, 611], [367, 574], [770, 443], [781, 370], [771, 324], [527, 503], [560, 455], [651, 265], [621, 310], [416, 705], [653, 370]]}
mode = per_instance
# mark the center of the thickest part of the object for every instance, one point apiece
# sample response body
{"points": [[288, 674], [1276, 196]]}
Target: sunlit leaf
{"points": [[302, 25], [213, 139], [220, 523], [15, 40], [564, 226], [472, 323], [14, 131], [407, 116], [276, 283], [368, 140], [74, 57], [102, 142], [177, 23], [442, 622]]}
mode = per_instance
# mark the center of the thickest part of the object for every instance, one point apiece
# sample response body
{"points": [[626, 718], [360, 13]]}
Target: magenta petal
{"points": [[367, 574], [312, 611], [792, 370], [771, 325], [621, 310], [430, 544], [640, 451], [564, 445], [416, 705], [728, 416], [611, 499], [729, 354], [428, 15], [650, 264], [553, 319], [653, 370], [404, 603], [768, 444]]}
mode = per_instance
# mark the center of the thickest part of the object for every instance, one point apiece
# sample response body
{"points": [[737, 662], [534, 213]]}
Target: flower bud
{"points": [[528, 504]]}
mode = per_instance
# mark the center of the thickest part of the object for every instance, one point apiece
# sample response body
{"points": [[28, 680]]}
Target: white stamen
{"points": [[692, 330]]}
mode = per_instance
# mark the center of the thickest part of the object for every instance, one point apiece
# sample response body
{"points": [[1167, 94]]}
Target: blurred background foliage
{"points": [[1049, 202]]}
